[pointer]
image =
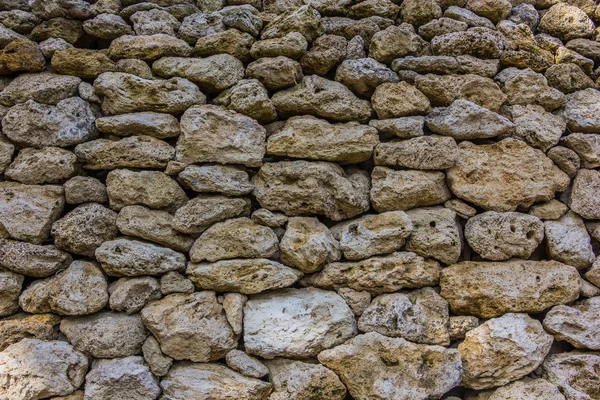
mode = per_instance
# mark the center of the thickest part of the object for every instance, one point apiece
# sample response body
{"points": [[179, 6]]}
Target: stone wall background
{"points": [[299, 199]]}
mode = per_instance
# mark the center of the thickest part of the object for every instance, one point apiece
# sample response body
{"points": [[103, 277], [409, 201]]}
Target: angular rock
{"points": [[568, 78], [47, 165], [505, 175], [28, 211], [21, 55], [126, 257], [527, 87], [528, 388], [465, 120], [201, 212], [441, 26], [478, 42], [425, 153], [580, 111], [293, 45], [33, 124], [363, 75], [148, 47], [376, 275], [566, 371], [84, 189], [537, 127], [159, 363], [552, 209], [369, 363], [21, 326], [154, 21], [190, 326], [225, 179], [436, 233], [405, 189], [305, 20], [322, 98], [420, 316], [212, 134], [132, 294], [296, 323], [404, 127], [396, 41], [584, 200], [577, 324], [502, 350], [153, 189], [401, 99], [125, 93], [235, 238], [199, 24], [567, 241], [245, 364], [233, 303], [370, 235], [158, 125], [510, 286], [24, 376], [458, 326], [275, 73], [231, 41], [586, 146], [566, 22], [10, 288], [84, 63], [107, 26], [80, 289], [566, 159], [504, 235], [105, 334], [316, 139], [248, 97], [174, 282], [31, 259], [326, 52]]}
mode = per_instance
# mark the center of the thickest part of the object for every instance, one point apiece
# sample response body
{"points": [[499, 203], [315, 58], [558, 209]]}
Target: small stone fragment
{"points": [[404, 127], [159, 363], [10, 289], [84, 189], [458, 326], [275, 73], [245, 364], [292, 45], [130, 295], [174, 282], [248, 97], [363, 75]]}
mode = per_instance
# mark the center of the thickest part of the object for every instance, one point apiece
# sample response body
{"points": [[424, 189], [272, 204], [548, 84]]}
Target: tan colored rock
{"points": [[401, 99], [275, 73], [293, 45], [502, 350], [326, 52], [436, 233], [201, 212], [296, 323], [404, 127], [33, 326], [130, 295], [552, 209], [458, 326], [510, 286], [524, 87], [10, 288], [21, 55], [357, 301], [245, 364], [420, 316], [586, 146], [528, 389], [298, 187], [231, 42], [85, 189], [461, 208], [233, 304], [566, 159], [425, 153], [574, 373], [213, 134], [505, 175], [47, 165], [376, 275], [148, 47], [567, 241], [308, 244], [81, 289], [184, 333], [32, 260], [537, 127], [211, 381], [316, 139], [159, 363], [374, 234], [577, 324], [305, 20], [297, 380], [153, 124], [406, 189], [396, 41], [584, 200], [566, 22], [24, 376], [105, 334], [501, 236], [248, 97], [174, 282], [226, 179], [45, 88], [580, 111], [372, 365], [84, 63]]}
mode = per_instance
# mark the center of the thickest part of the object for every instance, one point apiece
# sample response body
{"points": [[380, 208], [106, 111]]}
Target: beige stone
{"points": [[130, 295], [528, 389], [245, 364], [574, 373], [584, 200], [10, 288], [158, 363], [33, 326], [436, 233], [424, 153], [392, 100], [577, 324], [31, 259], [567, 241], [47, 165], [148, 47]]}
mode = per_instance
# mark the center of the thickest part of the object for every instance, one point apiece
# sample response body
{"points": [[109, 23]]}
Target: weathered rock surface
{"points": [[201, 212], [47, 165], [245, 364], [44, 88], [577, 324], [31, 259], [424, 153], [528, 388], [158, 363], [21, 326], [153, 124], [566, 371], [567, 241], [132, 294], [10, 288], [148, 47], [436, 234], [226, 179], [584, 200]]}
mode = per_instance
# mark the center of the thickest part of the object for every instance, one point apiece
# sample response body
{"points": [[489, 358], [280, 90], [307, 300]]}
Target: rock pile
{"points": [[299, 199]]}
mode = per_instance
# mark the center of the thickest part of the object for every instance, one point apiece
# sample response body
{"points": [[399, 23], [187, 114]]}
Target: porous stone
{"points": [[296, 323], [396, 41], [504, 235], [568, 78], [107, 26], [248, 97], [565, 370], [566, 159], [458, 326], [201, 212], [362, 364], [583, 198], [552, 209], [509, 286], [305, 20], [174, 282], [577, 324], [84, 63], [391, 100], [461, 208], [245, 364], [527, 87], [21, 55], [158, 363], [231, 41], [567, 241], [566, 22], [10, 288], [20, 326], [186, 334], [154, 21], [537, 127], [502, 350], [528, 388], [478, 42], [200, 24], [586, 146], [148, 47], [225, 179], [84, 189], [31, 259], [47, 165], [363, 75], [292, 45], [275, 73], [404, 127], [130, 295], [425, 153]]}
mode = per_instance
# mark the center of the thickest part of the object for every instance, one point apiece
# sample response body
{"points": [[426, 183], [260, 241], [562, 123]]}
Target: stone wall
{"points": [[299, 200]]}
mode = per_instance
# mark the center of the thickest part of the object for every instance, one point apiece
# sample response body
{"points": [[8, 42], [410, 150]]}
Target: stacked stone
{"points": [[299, 199]]}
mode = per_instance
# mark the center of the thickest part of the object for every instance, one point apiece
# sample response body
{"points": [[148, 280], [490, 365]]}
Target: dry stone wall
{"points": [[299, 200]]}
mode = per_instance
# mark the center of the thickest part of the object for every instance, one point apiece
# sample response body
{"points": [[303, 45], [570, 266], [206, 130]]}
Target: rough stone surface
{"points": [[566, 371], [577, 324], [567, 241]]}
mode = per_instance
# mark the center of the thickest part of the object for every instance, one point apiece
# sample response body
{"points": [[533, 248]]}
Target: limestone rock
{"points": [[363, 75], [297, 380], [401, 99], [586, 146], [368, 363], [199, 24], [405, 189], [190, 326], [577, 324], [212, 134], [293, 45], [505, 175], [568, 78], [153, 225], [10, 288], [458, 326], [84, 189], [312, 138], [31, 259], [107, 26], [478, 42], [231, 42], [45, 88], [28, 211], [84, 63], [502, 350], [552, 209], [441, 26], [510, 286], [537, 127], [153, 189], [21, 55], [233, 304], [305, 20], [566, 370], [326, 52], [245, 364], [403, 127], [132, 294], [153, 124], [32, 326], [225, 179], [121, 378], [374, 234], [154, 21], [436, 234], [33, 124], [296, 323], [275, 73], [105, 334], [24, 377], [583, 198], [528, 388], [420, 316], [567, 241], [47, 165], [187, 380], [566, 159], [159, 363], [465, 120], [566, 22], [500, 236], [81, 289], [527, 87], [174, 282], [384, 274], [298, 187], [126, 257], [396, 41], [125, 93], [322, 98], [148, 47], [425, 153], [308, 244], [248, 97], [201, 212]]}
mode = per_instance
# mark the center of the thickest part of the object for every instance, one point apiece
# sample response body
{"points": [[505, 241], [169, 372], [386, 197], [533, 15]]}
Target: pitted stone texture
{"points": [[375, 366], [575, 373], [190, 326], [527, 389], [502, 350], [84, 189], [248, 97], [363, 75], [566, 22], [31, 259], [10, 288], [201, 212], [148, 47], [567, 241], [424, 153], [577, 324], [436, 233], [158, 363], [581, 111], [47, 165], [584, 199], [44, 88], [130, 295], [391, 100], [500, 236], [305, 20], [20, 326], [296, 323], [245, 364], [225, 179], [537, 127], [153, 124], [396, 41], [491, 289]]}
